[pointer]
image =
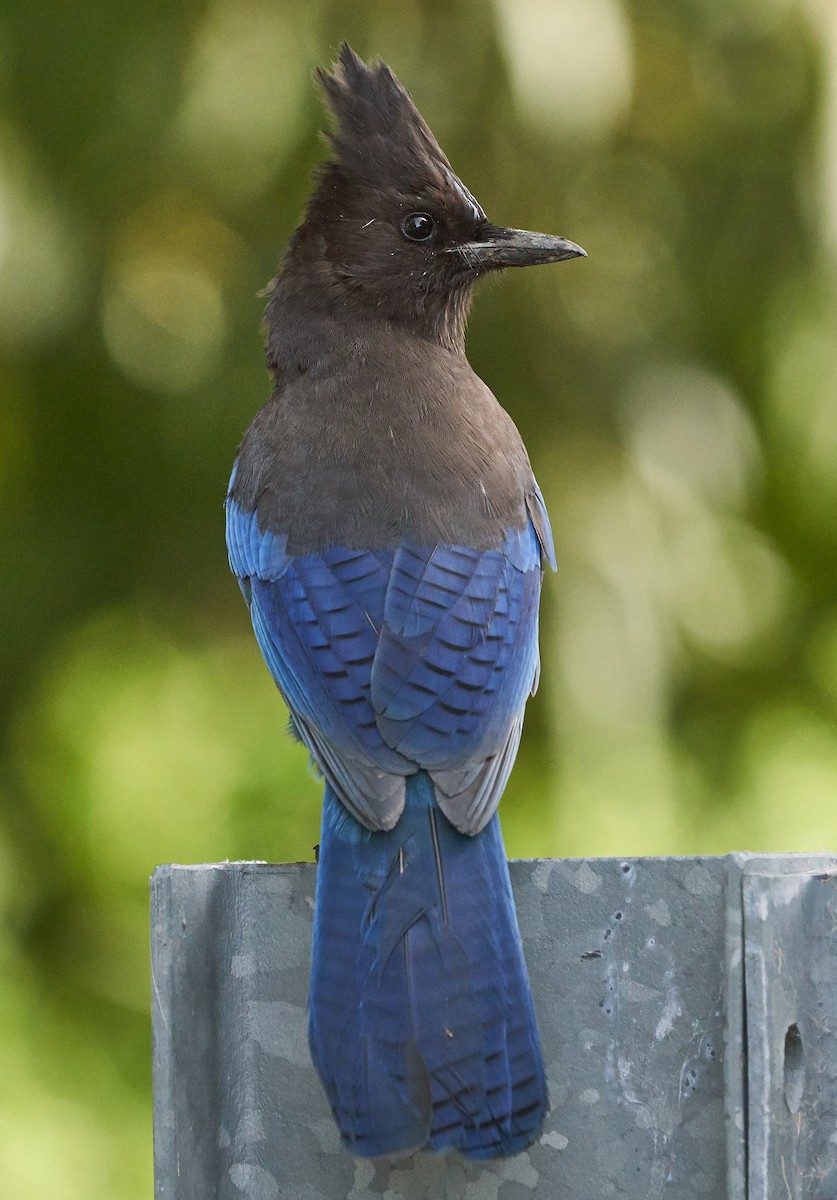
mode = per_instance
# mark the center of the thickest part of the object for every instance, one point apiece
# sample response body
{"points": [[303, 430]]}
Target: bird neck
{"points": [[315, 298], [304, 336]]}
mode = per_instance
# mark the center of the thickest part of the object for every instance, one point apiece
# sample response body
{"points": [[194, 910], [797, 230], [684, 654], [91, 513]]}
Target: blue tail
{"points": [[421, 1020]]}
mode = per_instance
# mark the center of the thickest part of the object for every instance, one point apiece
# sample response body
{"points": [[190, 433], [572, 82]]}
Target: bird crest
{"points": [[381, 139]]}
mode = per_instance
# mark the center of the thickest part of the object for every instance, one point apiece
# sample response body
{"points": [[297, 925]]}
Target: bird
{"points": [[388, 535]]}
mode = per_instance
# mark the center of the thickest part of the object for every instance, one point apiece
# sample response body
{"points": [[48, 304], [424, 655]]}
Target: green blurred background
{"points": [[677, 392]]}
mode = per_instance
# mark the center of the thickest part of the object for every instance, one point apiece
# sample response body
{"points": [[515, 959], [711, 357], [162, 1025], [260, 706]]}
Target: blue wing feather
{"points": [[400, 659], [539, 519], [451, 690]]}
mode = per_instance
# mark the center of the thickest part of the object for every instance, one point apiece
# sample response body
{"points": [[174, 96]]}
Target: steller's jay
{"points": [[390, 538]]}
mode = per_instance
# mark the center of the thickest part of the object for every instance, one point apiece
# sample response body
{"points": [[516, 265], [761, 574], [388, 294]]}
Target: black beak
{"points": [[496, 248]]}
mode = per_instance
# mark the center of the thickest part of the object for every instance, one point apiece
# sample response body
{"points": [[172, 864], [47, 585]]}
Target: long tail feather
{"points": [[421, 1020]]}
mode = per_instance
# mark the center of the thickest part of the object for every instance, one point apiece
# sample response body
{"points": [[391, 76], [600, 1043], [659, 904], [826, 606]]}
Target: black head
{"points": [[390, 229]]}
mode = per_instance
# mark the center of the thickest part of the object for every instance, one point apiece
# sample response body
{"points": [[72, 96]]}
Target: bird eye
{"points": [[418, 226]]}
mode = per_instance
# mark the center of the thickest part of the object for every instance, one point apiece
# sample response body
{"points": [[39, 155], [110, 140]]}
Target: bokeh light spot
{"points": [[163, 321], [163, 312], [689, 426], [571, 60], [244, 94], [41, 285]]}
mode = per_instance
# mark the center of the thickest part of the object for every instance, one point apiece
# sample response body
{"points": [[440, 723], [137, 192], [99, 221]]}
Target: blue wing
{"points": [[397, 660]]}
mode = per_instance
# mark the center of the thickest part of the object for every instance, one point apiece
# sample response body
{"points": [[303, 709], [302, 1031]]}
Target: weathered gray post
{"points": [[688, 1009]]}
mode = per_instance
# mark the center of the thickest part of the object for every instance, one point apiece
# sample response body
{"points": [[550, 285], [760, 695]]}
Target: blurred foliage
{"points": [[677, 392]]}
